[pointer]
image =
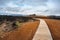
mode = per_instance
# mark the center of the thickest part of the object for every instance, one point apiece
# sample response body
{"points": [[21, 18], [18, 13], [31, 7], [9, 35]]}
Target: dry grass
{"points": [[54, 26], [26, 32]]}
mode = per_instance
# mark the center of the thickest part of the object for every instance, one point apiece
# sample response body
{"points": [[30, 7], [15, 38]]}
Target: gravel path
{"points": [[43, 32]]}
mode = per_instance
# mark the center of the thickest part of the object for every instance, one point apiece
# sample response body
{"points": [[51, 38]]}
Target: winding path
{"points": [[43, 32]]}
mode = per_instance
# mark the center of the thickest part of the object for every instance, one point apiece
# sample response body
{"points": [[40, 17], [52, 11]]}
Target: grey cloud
{"points": [[2, 2], [19, 2], [35, 2]]}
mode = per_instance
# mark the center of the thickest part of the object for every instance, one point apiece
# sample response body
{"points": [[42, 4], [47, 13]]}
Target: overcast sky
{"points": [[26, 7]]}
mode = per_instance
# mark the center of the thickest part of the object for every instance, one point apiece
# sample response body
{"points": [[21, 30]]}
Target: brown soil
{"points": [[25, 32], [54, 26]]}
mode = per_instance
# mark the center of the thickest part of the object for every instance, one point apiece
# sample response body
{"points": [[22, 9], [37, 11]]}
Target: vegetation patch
{"points": [[9, 23]]}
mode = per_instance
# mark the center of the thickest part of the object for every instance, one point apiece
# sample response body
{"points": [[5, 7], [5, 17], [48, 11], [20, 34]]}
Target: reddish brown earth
{"points": [[54, 26], [25, 32]]}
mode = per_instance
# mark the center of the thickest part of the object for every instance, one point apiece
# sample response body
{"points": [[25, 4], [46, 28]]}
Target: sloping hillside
{"points": [[25, 32], [54, 26]]}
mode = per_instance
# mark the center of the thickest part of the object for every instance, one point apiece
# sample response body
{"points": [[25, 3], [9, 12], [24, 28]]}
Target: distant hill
{"points": [[11, 14], [54, 17], [17, 15]]}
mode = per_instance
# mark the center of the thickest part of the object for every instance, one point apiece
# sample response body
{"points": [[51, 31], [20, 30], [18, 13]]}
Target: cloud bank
{"points": [[39, 7]]}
